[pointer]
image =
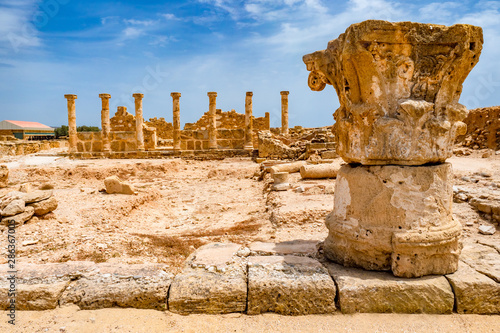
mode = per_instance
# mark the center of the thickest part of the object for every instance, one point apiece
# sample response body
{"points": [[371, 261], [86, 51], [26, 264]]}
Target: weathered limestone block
{"points": [[34, 297], [13, 208], [474, 292], [484, 259], [140, 286], [214, 280], [318, 171], [113, 184], [4, 176], [37, 196], [20, 218], [45, 206], [380, 292], [398, 86], [394, 218], [280, 181], [289, 285]]}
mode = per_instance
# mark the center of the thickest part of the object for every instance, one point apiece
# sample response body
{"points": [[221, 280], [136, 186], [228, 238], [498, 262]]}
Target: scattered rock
{"points": [[289, 285], [37, 196], [14, 207], [487, 229], [26, 188], [20, 219], [115, 185], [380, 292], [45, 206]]}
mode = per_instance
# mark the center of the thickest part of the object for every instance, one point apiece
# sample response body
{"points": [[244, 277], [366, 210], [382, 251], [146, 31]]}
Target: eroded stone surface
{"points": [[4, 175], [289, 285], [141, 286], [214, 280], [380, 292], [45, 206], [398, 86], [308, 248], [394, 217], [484, 259], [474, 292]]}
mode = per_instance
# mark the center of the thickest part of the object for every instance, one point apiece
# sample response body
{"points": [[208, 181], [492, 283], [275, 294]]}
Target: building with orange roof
{"points": [[26, 130]]}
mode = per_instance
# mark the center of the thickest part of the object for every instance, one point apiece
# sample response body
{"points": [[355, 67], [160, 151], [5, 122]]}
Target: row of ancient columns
{"points": [[212, 123], [105, 122]]}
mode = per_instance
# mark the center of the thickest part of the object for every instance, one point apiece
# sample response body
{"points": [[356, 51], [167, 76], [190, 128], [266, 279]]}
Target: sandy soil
{"points": [[71, 319]]}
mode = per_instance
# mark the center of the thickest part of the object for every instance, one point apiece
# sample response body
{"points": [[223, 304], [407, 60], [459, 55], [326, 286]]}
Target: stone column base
{"points": [[394, 218]]}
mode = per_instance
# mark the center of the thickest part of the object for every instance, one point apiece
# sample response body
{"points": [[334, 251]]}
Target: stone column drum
{"points": [[248, 121], [139, 121], [105, 122], [72, 122], [176, 120], [212, 122], [284, 112], [398, 86]]}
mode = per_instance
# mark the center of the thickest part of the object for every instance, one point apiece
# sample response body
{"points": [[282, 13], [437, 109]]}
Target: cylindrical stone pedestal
{"points": [[212, 122], [105, 122], [176, 120], [139, 121], [394, 218], [248, 121], [284, 112], [72, 122]]}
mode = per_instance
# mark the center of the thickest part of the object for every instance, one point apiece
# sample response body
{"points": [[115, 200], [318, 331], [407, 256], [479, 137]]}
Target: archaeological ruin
{"points": [[398, 86]]}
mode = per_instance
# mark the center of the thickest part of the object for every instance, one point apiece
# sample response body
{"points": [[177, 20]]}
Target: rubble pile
{"points": [[483, 129], [21, 207]]}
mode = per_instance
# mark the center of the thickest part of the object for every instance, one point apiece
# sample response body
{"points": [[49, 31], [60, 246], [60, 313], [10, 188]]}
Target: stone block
{"points": [[140, 286], [34, 297], [88, 146], [115, 145], [239, 134], [289, 285], [484, 259], [380, 292], [394, 217], [190, 145], [183, 145], [214, 280], [474, 292], [205, 145], [96, 146], [197, 145], [45, 206], [80, 147]]}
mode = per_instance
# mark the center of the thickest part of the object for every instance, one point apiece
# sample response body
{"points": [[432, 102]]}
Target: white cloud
{"points": [[139, 22], [131, 32], [16, 30]]}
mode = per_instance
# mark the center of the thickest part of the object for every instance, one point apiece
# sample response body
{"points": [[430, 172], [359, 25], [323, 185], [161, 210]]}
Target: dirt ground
{"points": [[71, 319], [183, 204]]}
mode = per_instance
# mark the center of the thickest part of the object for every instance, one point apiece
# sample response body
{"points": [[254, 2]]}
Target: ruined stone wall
{"points": [[226, 139], [483, 129], [20, 147], [164, 129], [89, 142], [122, 120], [229, 120]]}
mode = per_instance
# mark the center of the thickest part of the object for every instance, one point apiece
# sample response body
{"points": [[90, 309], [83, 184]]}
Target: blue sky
{"points": [[54, 47]]}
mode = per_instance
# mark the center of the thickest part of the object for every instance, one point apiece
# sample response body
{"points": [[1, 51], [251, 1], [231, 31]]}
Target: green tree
{"points": [[61, 131]]}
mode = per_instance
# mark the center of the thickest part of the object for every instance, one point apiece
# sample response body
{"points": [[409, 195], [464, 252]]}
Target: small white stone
{"points": [[487, 229]]}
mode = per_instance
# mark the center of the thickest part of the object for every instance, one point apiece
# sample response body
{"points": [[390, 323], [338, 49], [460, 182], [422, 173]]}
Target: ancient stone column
{"points": [[248, 121], [398, 86], [212, 122], [176, 120], [72, 122], [284, 112], [139, 120], [105, 123]]}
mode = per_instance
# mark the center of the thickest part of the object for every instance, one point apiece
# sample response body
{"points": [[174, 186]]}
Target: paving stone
{"points": [[289, 285], [141, 286], [214, 280], [381, 292], [298, 247], [474, 292], [484, 259]]}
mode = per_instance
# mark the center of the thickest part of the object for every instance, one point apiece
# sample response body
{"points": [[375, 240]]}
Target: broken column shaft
{"points": [[105, 122], [212, 121], [176, 120], [284, 112], [248, 121], [139, 120], [71, 122]]}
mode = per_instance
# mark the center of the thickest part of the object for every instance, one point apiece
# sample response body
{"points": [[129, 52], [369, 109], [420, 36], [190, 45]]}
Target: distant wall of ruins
{"points": [[13, 148], [226, 139], [483, 129]]}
